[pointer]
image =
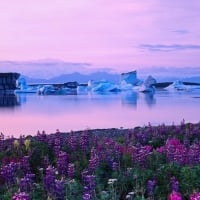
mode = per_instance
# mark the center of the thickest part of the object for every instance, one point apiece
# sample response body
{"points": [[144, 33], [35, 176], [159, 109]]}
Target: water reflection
{"points": [[77, 112], [149, 99], [8, 100], [129, 98]]}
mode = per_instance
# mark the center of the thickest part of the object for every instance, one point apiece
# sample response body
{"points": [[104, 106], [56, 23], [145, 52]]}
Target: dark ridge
{"points": [[162, 85], [190, 83]]}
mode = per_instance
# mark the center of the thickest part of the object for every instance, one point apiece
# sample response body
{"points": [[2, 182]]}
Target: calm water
{"points": [[77, 112]]}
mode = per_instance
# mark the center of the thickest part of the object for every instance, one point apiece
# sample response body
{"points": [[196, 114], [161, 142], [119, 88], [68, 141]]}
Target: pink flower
{"points": [[175, 196], [160, 149], [195, 196]]}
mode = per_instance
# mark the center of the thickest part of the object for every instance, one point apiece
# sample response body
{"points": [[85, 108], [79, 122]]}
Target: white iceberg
{"points": [[125, 86], [55, 90], [178, 85]]}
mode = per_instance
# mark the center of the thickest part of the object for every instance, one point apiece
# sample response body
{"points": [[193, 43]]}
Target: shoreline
{"points": [[109, 132]]}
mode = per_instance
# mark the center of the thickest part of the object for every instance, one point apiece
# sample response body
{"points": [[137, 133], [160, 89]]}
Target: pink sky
{"points": [[108, 33]]}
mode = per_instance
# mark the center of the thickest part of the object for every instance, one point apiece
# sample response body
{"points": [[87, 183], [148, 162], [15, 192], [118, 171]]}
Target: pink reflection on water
{"points": [[97, 111]]}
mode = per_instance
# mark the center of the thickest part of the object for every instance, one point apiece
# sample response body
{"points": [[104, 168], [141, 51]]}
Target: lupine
{"points": [[72, 141], [49, 179], [25, 165], [115, 166], [84, 173], [21, 196], [59, 190], [89, 185], [42, 137], [94, 161], [194, 154], [1, 141], [176, 152], [9, 173], [62, 163], [141, 154], [71, 170], [151, 187], [90, 182], [27, 182], [57, 145], [84, 141], [86, 196]]}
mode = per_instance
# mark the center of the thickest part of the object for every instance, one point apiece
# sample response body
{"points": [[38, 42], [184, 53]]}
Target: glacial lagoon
{"points": [[29, 113]]}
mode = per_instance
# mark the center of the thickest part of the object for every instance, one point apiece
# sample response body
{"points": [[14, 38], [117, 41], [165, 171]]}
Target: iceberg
{"points": [[177, 85], [56, 90], [147, 86], [82, 89], [24, 88], [103, 86], [125, 86], [130, 78]]}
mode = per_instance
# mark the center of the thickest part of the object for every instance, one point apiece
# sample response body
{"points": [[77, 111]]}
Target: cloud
{"points": [[181, 31], [172, 47]]}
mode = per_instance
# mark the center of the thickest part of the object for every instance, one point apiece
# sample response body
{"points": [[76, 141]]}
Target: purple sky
{"points": [[120, 34]]}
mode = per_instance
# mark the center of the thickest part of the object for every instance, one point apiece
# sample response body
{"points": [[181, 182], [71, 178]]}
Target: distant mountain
{"points": [[97, 76], [80, 78], [165, 74], [194, 79]]}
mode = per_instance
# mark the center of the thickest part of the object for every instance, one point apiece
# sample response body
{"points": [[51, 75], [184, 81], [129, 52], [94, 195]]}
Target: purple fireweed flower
{"points": [[21, 196]]}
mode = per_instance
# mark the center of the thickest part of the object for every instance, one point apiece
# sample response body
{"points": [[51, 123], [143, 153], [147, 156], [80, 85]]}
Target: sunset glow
{"points": [[105, 33]]}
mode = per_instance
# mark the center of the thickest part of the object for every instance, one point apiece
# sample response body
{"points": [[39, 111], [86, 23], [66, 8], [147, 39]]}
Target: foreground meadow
{"points": [[150, 162]]}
